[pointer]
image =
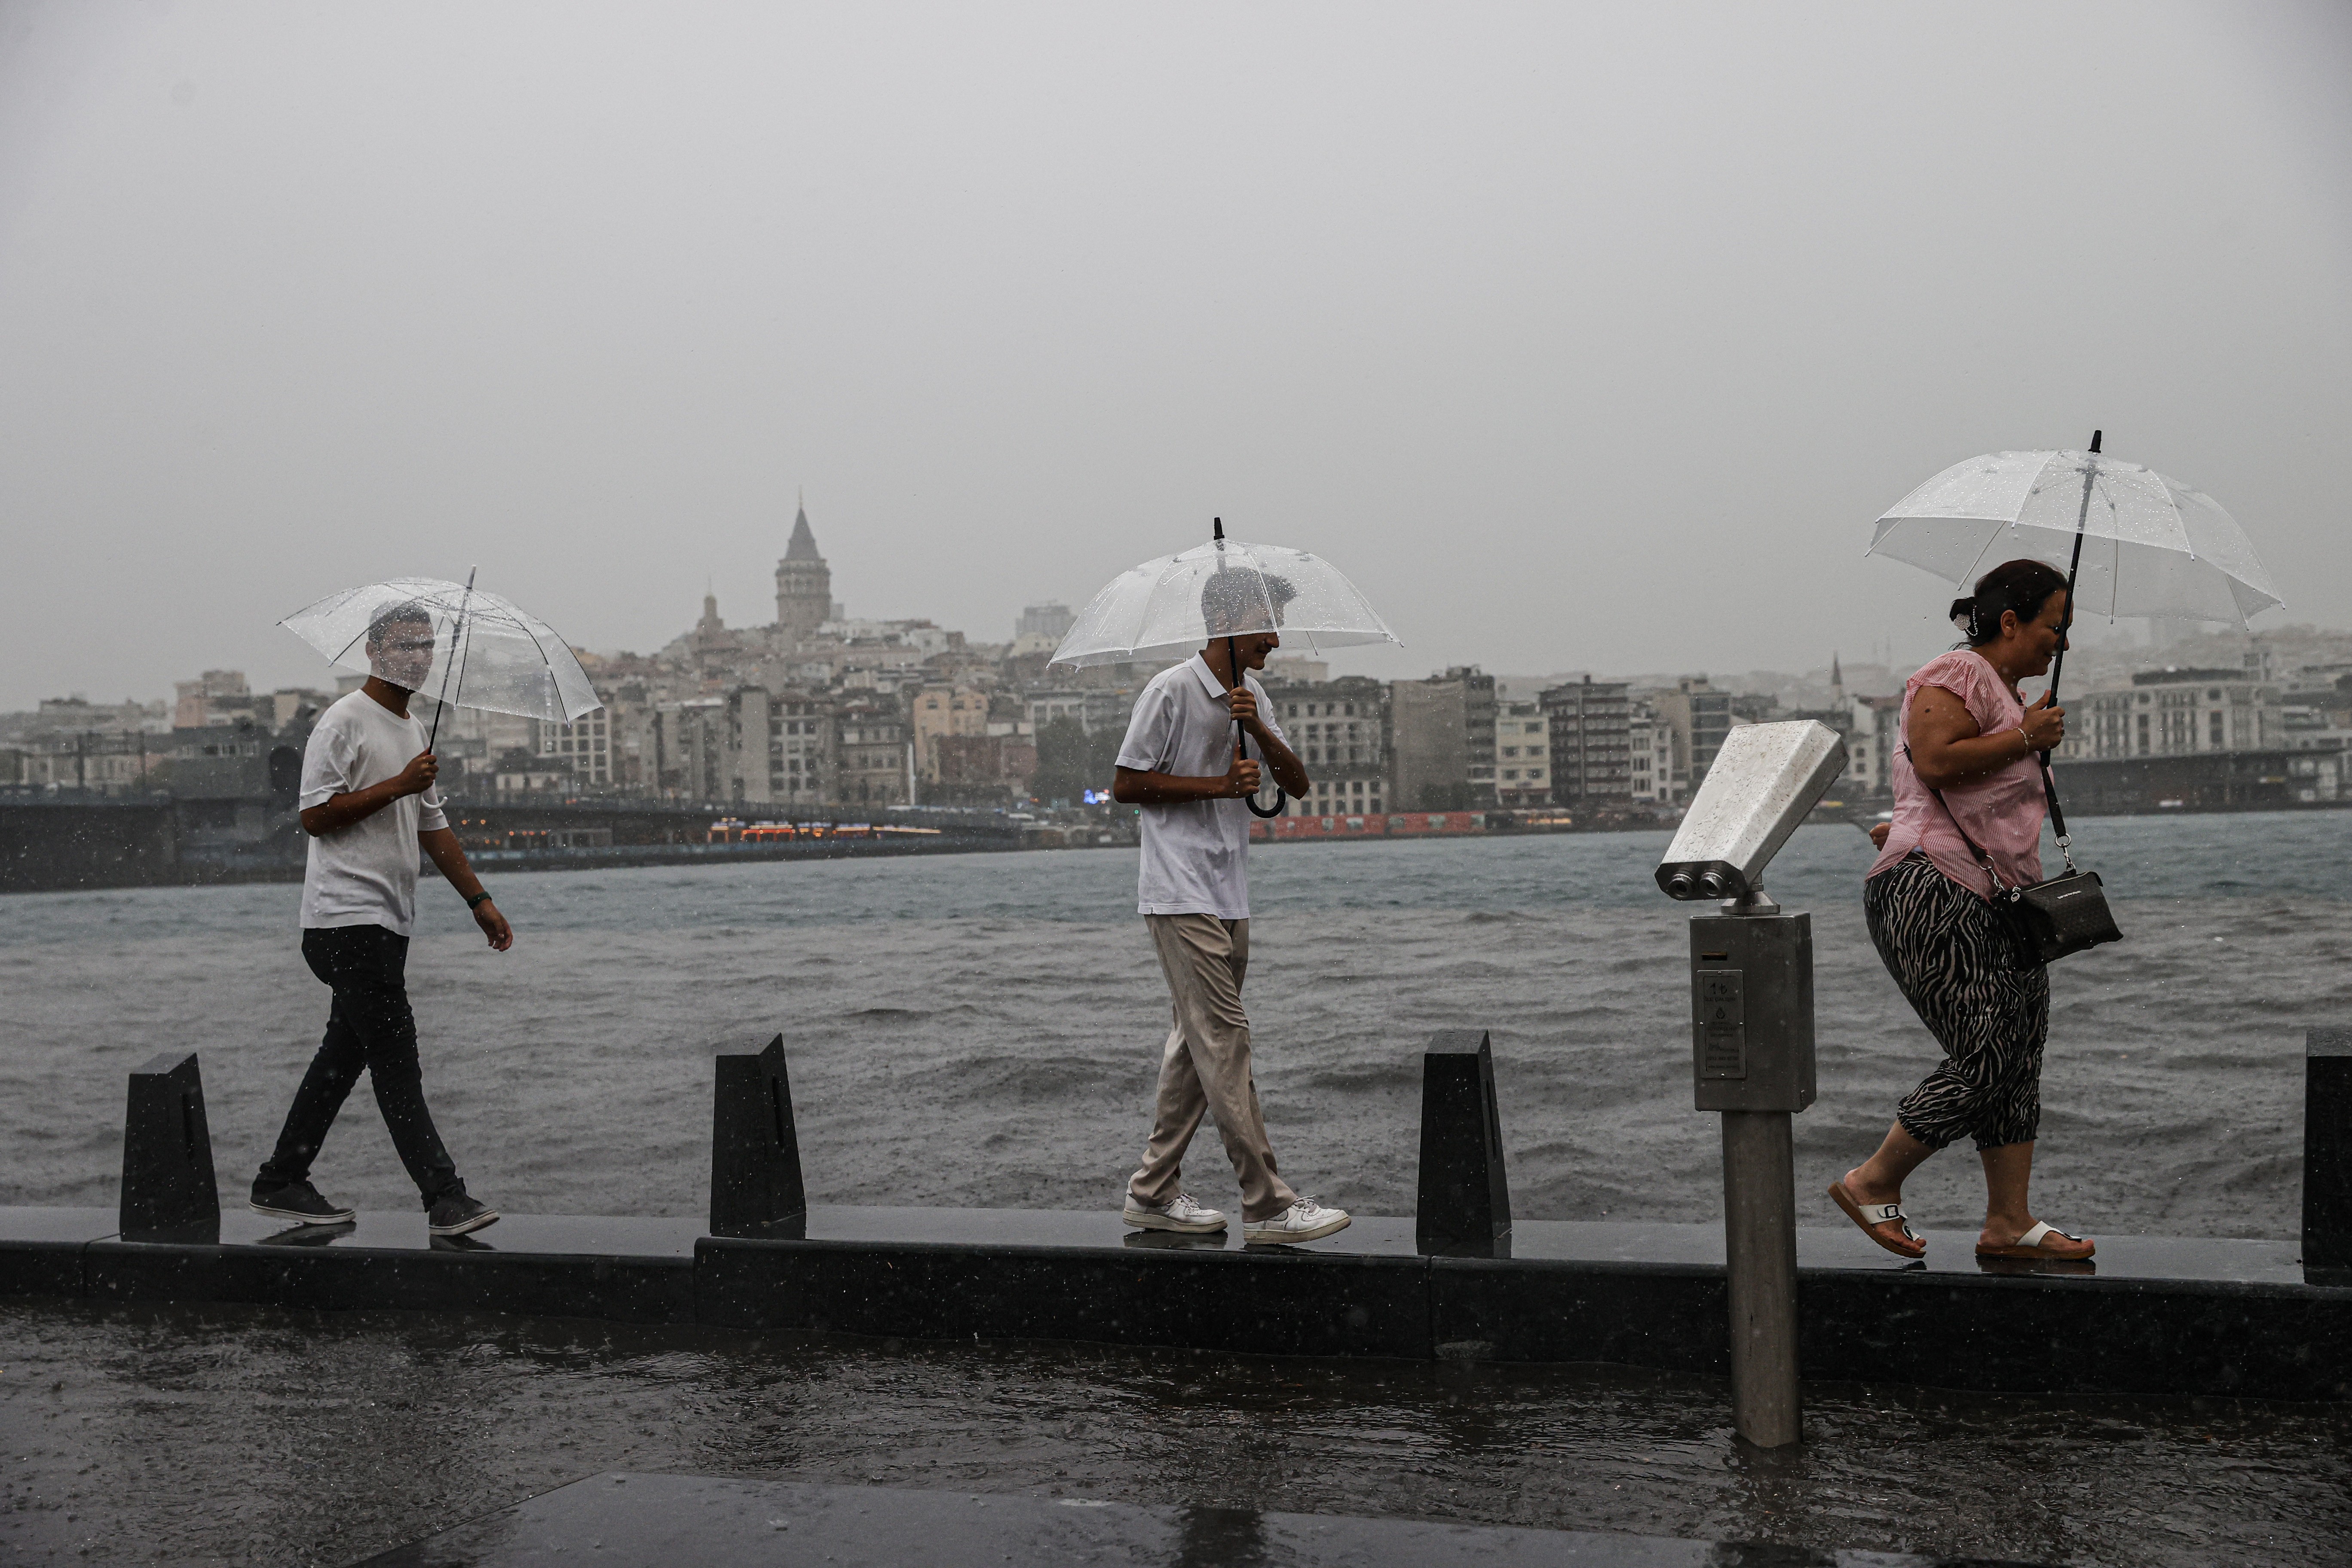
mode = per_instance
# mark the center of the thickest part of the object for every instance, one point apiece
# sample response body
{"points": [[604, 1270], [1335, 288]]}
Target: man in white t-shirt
{"points": [[368, 804], [1182, 763]]}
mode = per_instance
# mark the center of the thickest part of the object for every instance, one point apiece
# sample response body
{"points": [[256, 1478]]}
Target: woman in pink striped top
{"points": [[1968, 809]]}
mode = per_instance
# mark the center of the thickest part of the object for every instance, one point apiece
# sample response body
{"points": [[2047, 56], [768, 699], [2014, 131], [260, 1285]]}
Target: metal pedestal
{"points": [[1759, 1243]]}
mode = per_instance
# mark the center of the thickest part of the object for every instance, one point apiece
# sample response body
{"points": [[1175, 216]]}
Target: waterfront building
{"points": [[874, 761], [1094, 708], [1590, 732], [582, 748], [1340, 730], [1041, 629], [1431, 764], [1650, 755], [1699, 717], [1477, 731], [939, 709], [1442, 740], [1522, 746], [2316, 711], [693, 748], [784, 747], [216, 697], [2176, 713], [1873, 725], [116, 763], [78, 715]]}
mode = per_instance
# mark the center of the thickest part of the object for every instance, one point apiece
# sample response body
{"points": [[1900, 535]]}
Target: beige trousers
{"points": [[1205, 1065]]}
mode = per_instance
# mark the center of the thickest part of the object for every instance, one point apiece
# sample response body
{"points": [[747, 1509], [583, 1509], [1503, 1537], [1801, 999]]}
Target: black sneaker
{"points": [[298, 1203], [455, 1213]]}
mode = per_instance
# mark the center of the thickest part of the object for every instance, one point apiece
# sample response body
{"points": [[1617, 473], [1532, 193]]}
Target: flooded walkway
{"points": [[138, 1434]]}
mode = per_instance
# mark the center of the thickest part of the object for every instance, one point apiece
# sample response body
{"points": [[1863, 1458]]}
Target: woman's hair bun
{"points": [[2024, 586]]}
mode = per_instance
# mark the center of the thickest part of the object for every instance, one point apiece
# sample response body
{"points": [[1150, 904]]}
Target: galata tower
{"points": [[804, 584]]}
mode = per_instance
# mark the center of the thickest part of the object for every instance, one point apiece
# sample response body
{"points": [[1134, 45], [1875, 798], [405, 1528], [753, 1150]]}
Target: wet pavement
{"points": [[138, 1434]]}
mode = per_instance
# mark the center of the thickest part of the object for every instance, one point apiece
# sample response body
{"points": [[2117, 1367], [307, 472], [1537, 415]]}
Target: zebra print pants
{"points": [[1958, 967]]}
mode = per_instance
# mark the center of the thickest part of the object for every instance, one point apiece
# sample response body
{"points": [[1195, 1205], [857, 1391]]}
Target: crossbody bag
{"points": [[2059, 915]]}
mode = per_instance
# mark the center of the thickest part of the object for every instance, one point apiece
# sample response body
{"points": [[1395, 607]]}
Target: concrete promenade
{"points": [[2156, 1316]]}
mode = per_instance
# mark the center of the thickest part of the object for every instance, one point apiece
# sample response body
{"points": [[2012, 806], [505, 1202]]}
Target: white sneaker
{"points": [[1305, 1220], [1179, 1213]]}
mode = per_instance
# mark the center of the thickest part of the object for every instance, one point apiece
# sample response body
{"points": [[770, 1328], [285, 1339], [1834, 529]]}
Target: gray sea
{"points": [[983, 1030]]}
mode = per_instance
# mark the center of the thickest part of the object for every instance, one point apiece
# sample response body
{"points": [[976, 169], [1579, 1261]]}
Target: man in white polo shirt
{"points": [[1180, 764], [368, 804]]}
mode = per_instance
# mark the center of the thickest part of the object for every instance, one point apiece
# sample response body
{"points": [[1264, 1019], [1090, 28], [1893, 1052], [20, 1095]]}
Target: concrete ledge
{"points": [[1270, 1304], [2046, 1335], [2158, 1316], [41, 1250], [1669, 1316]]}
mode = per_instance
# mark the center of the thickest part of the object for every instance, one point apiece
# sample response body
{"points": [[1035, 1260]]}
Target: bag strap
{"points": [[1982, 859], [2057, 817]]}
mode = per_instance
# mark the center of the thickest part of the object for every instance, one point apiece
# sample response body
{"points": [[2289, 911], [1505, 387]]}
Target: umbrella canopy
{"points": [[486, 653], [1163, 608], [2151, 545]]}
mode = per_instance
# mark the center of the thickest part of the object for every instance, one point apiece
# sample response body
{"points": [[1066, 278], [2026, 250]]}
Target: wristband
{"points": [[478, 900]]}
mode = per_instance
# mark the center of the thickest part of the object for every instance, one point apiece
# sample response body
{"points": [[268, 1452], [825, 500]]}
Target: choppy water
{"points": [[983, 1029]]}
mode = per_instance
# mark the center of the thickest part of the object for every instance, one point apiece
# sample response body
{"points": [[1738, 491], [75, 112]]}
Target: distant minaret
{"points": [[1837, 683], [804, 584], [711, 628]]}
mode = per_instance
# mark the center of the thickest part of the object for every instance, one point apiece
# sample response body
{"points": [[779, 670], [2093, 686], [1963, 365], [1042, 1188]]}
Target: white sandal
{"points": [[2029, 1246], [1870, 1215]]}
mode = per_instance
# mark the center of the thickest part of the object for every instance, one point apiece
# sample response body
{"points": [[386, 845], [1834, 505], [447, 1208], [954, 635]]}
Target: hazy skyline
{"points": [[1578, 337]]}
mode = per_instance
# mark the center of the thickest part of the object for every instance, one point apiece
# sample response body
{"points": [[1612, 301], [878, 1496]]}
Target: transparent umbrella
{"points": [[1226, 588], [2138, 543], [486, 652], [1160, 609], [2133, 543]]}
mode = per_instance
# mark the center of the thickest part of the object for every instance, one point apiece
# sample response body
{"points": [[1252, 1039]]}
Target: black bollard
{"points": [[755, 1150], [1463, 1206], [168, 1191], [2327, 1154]]}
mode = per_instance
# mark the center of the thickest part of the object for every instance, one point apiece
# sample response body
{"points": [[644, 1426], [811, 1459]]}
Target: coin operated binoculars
{"points": [[1752, 1037]]}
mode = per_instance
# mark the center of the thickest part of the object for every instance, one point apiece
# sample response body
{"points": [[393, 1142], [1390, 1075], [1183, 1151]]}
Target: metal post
{"points": [[1752, 1039], [1759, 1248], [1752, 996]]}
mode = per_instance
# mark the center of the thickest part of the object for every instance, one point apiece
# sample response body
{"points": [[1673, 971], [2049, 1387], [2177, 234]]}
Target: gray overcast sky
{"points": [[1581, 336]]}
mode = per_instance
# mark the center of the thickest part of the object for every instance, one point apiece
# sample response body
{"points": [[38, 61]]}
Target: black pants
{"points": [[370, 1027]]}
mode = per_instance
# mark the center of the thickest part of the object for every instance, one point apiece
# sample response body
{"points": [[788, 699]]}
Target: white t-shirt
{"points": [[1196, 855], [364, 874]]}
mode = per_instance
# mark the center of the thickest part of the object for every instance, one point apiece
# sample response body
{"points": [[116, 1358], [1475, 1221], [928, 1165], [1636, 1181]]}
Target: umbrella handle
{"points": [[1281, 797], [1241, 734]]}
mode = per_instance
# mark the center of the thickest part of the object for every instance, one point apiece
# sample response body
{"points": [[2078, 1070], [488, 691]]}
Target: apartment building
{"points": [[1340, 730], [1699, 717], [2175, 713], [1522, 747], [1589, 727], [1650, 756], [582, 748], [1443, 738]]}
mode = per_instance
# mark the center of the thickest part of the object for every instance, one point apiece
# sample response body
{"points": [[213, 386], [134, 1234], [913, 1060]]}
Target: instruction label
{"points": [[1722, 1024]]}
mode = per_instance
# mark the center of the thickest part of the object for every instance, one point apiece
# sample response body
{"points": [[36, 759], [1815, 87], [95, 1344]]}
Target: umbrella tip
{"points": [[2096, 436], [1217, 528]]}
